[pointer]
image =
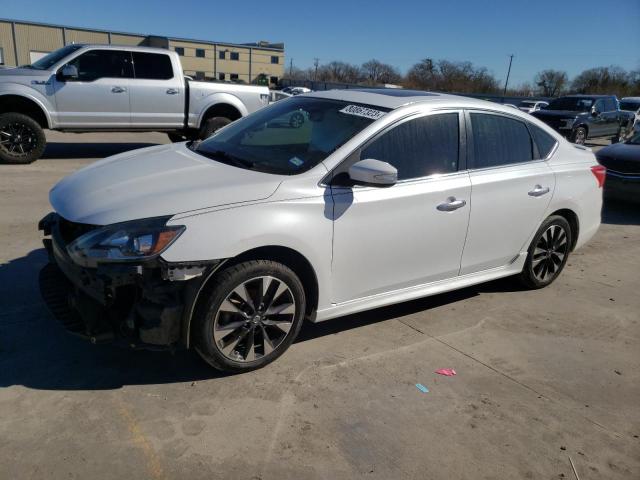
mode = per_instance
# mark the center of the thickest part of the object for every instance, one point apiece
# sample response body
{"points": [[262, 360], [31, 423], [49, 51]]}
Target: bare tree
{"points": [[607, 80], [551, 82], [376, 72], [447, 76]]}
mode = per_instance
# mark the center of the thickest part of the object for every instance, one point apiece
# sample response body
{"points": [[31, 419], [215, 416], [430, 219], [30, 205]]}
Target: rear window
{"points": [[543, 140], [630, 106], [153, 66]]}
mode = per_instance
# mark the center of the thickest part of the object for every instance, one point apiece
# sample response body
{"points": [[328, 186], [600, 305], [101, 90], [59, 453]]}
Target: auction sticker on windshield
{"points": [[362, 112]]}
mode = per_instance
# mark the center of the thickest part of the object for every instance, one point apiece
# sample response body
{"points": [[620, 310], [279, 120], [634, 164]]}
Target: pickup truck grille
{"points": [[69, 231]]}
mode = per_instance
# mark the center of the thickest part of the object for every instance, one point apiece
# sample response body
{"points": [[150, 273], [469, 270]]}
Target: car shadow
{"points": [[615, 212], [37, 352], [61, 150]]}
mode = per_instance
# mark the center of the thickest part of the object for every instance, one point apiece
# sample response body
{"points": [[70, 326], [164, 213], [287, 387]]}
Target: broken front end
{"points": [[110, 284]]}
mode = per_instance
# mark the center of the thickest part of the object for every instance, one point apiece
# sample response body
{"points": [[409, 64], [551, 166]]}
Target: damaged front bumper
{"points": [[142, 305]]}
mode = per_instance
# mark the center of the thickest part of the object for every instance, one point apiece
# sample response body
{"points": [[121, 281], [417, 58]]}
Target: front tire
{"points": [[579, 136], [22, 139], [252, 313], [548, 253], [212, 125]]}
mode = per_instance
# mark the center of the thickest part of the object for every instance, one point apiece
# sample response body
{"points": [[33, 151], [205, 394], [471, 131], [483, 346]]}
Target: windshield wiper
{"points": [[227, 158]]}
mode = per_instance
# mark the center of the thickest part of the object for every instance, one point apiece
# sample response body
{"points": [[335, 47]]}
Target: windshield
{"points": [[527, 104], [48, 61], [574, 104], [630, 106], [290, 136]]}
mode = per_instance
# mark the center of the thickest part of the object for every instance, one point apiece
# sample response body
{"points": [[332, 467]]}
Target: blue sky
{"points": [[561, 34]]}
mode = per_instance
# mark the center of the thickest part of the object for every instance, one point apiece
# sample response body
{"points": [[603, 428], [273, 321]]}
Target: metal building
{"points": [[25, 42]]}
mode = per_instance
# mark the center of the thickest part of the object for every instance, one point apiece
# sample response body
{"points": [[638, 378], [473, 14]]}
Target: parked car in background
{"points": [[510, 105], [622, 161], [377, 197], [529, 106], [85, 88], [584, 117], [299, 90], [632, 104]]}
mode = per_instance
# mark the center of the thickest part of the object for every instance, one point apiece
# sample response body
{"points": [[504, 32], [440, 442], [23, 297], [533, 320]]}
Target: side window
{"points": [[152, 66], [96, 64], [544, 141], [221, 54], [610, 104], [419, 147], [235, 56], [499, 140], [600, 106]]}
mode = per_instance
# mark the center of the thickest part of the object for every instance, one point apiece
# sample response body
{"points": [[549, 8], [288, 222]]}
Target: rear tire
{"points": [[548, 253], [212, 125], [579, 136], [250, 315], [22, 140]]}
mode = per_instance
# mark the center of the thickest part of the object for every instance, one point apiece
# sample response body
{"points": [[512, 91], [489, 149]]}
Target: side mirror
{"points": [[594, 112], [69, 72], [373, 172]]}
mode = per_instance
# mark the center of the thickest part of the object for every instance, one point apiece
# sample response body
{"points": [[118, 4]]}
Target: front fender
{"points": [[42, 100], [200, 105]]}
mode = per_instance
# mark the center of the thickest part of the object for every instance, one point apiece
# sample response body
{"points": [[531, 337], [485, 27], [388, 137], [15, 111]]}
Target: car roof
{"points": [[114, 46], [393, 98], [582, 95], [630, 99]]}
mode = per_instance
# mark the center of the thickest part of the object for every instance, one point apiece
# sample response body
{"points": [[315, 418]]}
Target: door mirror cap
{"points": [[373, 172], [69, 72], [594, 112]]}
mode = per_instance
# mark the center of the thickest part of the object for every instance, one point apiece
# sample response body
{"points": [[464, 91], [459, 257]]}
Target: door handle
{"points": [[172, 91], [118, 90], [451, 204], [538, 191]]}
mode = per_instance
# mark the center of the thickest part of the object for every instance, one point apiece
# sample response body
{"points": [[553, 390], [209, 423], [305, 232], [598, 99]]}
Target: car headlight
{"points": [[124, 242]]}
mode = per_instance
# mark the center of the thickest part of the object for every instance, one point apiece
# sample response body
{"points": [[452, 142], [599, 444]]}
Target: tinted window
{"points": [[544, 141], [499, 140], [235, 56], [630, 106], [96, 64], [419, 147], [153, 66], [200, 52], [610, 104], [579, 104], [54, 57], [599, 105]]}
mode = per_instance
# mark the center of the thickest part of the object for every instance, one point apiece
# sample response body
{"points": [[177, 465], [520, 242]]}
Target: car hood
{"points": [[155, 181], [621, 157], [22, 72]]}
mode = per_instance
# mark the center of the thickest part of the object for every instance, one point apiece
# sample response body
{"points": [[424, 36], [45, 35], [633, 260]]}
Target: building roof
{"points": [[262, 44]]}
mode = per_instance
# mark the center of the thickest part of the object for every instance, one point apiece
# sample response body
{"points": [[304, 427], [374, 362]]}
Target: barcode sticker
{"points": [[363, 112]]}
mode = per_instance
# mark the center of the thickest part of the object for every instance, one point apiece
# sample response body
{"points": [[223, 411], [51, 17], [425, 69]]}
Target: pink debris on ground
{"points": [[448, 372]]}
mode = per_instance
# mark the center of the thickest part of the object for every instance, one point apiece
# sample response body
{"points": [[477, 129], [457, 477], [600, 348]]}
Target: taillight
{"points": [[600, 173]]}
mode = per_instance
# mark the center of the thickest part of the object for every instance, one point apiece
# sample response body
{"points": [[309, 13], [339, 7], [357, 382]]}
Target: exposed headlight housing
{"points": [[124, 242]]}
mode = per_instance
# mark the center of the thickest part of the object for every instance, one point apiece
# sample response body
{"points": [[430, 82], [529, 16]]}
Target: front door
{"points": [[412, 233], [511, 189], [99, 96]]}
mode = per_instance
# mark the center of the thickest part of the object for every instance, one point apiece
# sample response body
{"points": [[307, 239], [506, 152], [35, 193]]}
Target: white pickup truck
{"points": [[88, 88]]}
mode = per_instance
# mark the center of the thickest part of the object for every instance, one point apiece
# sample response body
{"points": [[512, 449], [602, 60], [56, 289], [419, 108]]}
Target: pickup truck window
{"points": [[152, 66], [574, 104], [610, 105], [290, 136], [630, 106], [54, 57], [96, 64]]}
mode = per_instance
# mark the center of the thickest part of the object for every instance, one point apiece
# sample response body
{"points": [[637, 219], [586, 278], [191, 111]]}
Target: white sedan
{"points": [[529, 106], [377, 197]]}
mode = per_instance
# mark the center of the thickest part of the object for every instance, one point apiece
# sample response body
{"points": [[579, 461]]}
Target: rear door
{"points": [[99, 97], [611, 117], [511, 188], [157, 92]]}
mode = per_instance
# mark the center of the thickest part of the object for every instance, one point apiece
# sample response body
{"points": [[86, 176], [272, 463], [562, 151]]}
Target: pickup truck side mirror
{"points": [[69, 72], [594, 112], [373, 172]]}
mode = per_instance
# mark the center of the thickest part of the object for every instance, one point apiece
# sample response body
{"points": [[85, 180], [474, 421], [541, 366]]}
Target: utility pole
{"points": [[316, 62], [506, 82], [290, 67]]}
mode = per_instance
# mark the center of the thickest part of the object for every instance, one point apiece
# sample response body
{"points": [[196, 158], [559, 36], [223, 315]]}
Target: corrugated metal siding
{"points": [[118, 39], [38, 39], [84, 36], [6, 43]]}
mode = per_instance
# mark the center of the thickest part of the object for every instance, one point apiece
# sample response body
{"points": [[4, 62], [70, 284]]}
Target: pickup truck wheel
{"points": [[211, 125], [22, 139], [579, 136], [250, 316], [176, 137]]}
